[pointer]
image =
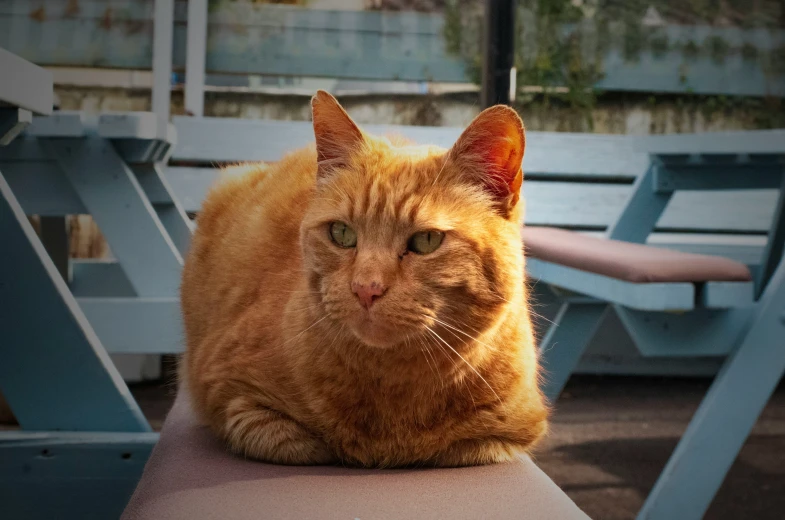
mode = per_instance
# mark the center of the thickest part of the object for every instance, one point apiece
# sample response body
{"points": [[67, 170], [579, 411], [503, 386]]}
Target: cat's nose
{"points": [[368, 292]]}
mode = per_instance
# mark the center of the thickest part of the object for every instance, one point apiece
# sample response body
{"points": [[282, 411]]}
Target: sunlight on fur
{"points": [[362, 301]]}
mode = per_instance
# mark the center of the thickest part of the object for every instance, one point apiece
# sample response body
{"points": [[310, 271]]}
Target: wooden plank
{"points": [[701, 332], [649, 296], [668, 179], [63, 124], [641, 211], [55, 374], [577, 205], [562, 347], [722, 143], [163, 28], [726, 415], [112, 195], [54, 237], [25, 85], [41, 188], [211, 140], [167, 207], [727, 295], [72, 455], [564, 204], [775, 248], [136, 325], [135, 125], [12, 122], [24, 148], [92, 278], [196, 54], [90, 475]]}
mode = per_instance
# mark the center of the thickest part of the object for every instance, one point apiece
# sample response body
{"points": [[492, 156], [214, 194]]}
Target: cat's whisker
{"points": [[424, 340], [456, 367], [464, 333], [425, 351], [337, 336], [464, 360], [540, 316], [439, 173], [306, 330]]}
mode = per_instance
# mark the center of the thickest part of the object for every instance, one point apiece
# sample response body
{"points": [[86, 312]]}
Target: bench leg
{"points": [[112, 194], [642, 211], [166, 205], [563, 345], [726, 416], [54, 372]]}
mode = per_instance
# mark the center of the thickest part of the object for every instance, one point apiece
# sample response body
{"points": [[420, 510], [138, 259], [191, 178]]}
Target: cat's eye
{"points": [[343, 235], [424, 242]]}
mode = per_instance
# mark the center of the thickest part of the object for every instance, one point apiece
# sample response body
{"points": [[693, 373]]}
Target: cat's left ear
{"points": [[337, 136], [490, 152]]}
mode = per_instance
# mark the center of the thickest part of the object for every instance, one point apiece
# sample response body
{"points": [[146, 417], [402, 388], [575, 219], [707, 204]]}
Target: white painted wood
{"points": [[213, 139], [163, 30], [12, 122], [196, 52], [25, 85], [135, 125], [740, 142]]}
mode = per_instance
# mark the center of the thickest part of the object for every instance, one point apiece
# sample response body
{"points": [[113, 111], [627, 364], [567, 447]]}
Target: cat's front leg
{"points": [[265, 434], [477, 452]]}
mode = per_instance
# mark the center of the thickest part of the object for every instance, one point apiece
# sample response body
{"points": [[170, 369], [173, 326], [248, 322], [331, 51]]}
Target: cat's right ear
{"points": [[337, 136]]}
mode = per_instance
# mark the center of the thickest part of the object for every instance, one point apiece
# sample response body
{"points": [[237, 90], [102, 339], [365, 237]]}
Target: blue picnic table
{"points": [[80, 423]]}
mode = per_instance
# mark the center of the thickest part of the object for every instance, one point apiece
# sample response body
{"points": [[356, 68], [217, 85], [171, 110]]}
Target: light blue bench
{"points": [[744, 321], [107, 166], [84, 441], [729, 184]]}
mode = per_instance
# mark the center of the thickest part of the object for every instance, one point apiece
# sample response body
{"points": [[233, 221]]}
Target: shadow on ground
{"points": [[751, 490]]}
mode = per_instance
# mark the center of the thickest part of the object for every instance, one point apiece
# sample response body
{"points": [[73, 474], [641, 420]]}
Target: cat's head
{"points": [[400, 237]]}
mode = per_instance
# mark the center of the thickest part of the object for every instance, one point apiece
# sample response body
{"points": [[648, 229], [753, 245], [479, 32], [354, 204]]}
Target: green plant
{"points": [[690, 50], [718, 48], [634, 41], [659, 45], [749, 52]]}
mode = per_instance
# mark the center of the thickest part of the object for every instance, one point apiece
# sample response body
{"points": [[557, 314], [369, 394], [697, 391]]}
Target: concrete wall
{"points": [[627, 114]]}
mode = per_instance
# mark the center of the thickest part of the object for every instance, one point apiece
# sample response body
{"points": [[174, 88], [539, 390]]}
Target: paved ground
{"points": [[610, 437]]}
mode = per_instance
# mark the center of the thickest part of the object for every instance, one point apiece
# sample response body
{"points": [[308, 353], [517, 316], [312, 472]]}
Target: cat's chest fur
{"points": [[400, 412]]}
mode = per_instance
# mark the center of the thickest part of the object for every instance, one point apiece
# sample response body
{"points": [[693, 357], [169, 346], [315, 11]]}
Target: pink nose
{"points": [[368, 293]]}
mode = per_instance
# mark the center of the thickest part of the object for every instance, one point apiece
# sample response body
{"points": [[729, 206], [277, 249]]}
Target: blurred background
{"points": [[636, 67], [607, 66], [603, 66]]}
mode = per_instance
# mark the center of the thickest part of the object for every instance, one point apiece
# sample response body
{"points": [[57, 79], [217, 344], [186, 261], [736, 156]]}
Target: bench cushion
{"points": [[635, 263], [191, 476]]}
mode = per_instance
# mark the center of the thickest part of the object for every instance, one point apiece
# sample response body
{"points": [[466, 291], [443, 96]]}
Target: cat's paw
{"points": [[270, 436], [477, 453]]}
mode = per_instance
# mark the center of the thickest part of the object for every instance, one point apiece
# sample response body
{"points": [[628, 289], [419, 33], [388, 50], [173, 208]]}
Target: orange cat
{"points": [[363, 302]]}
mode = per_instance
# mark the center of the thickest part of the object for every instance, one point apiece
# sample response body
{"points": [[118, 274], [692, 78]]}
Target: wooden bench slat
{"points": [[585, 205], [597, 205], [210, 140], [641, 296], [739, 142]]}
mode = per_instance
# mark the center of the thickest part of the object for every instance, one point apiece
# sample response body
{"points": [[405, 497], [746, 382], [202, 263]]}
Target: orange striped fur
{"points": [[286, 364]]}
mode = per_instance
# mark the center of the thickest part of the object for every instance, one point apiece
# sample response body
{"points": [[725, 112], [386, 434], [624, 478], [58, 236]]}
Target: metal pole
{"points": [[196, 47], [163, 27], [498, 53]]}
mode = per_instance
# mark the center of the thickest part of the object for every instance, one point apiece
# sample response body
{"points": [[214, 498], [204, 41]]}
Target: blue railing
{"points": [[248, 38]]}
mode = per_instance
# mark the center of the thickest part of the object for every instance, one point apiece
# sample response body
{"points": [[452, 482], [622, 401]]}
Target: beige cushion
{"points": [[630, 262], [190, 476]]}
